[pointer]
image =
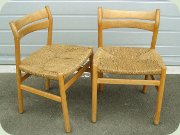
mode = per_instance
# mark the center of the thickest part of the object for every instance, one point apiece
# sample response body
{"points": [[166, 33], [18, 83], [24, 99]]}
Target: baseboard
{"points": [[12, 69]]}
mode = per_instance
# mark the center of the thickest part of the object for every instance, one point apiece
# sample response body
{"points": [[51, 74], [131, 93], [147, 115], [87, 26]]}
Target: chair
{"points": [[128, 60], [55, 62]]}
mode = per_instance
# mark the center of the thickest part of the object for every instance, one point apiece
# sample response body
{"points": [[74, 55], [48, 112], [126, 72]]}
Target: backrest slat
{"points": [[31, 18], [127, 24], [146, 15], [146, 20], [33, 27]]}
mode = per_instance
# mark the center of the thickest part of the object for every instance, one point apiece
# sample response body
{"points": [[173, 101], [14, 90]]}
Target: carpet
{"points": [[122, 109]]}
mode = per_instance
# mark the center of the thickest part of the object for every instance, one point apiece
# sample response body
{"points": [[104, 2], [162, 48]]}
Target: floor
{"points": [[122, 109]]}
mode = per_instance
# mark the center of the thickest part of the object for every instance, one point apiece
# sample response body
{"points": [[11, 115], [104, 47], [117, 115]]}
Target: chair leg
{"points": [[145, 86], [100, 86], [160, 96], [91, 67], [20, 94], [47, 84], [94, 94], [64, 103]]}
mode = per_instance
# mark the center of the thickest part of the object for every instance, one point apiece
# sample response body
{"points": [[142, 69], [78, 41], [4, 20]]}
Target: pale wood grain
{"points": [[41, 93], [94, 93], [64, 103], [160, 96], [145, 86], [47, 84], [128, 81], [156, 29], [50, 18], [100, 34], [127, 24], [31, 18], [145, 15], [33, 27]]}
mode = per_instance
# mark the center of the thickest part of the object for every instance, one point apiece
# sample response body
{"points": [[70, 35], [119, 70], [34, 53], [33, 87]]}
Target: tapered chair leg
{"points": [[20, 94], [160, 96], [47, 84], [100, 86], [91, 67], [64, 103], [145, 86], [94, 94]]}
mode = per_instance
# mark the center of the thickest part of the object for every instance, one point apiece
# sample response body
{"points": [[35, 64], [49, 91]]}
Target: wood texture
{"points": [[25, 77], [160, 96], [110, 37], [100, 33], [64, 103], [100, 86], [153, 78], [19, 89], [145, 86], [18, 72], [33, 27], [148, 15], [128, 81], [91, 66], [105, 22], [94, 94], [127, 24], [31, 18], [41, 93], [47, 84], [50, 18], [156, 29], [89, 23]]}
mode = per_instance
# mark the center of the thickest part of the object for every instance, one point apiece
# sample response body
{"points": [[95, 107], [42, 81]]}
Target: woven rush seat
{"points": [[51, 60], [128, 60]]}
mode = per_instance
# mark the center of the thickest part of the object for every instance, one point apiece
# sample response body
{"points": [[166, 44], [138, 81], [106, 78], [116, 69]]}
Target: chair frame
{"points": [[98, 79], [20, 31]]}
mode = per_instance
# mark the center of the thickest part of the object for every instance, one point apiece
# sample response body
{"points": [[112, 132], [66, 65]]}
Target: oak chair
{"points": [[54, 62], [128, 60]]}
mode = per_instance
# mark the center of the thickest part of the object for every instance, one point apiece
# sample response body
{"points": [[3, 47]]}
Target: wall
{"points": [[75, 22], [177, 2]]}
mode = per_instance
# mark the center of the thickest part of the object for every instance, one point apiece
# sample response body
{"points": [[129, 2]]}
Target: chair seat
{"points": [[50, 60], [128, 60]]}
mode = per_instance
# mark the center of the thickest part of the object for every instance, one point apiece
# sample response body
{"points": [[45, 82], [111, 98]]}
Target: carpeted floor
{"points": [[122, 109]]}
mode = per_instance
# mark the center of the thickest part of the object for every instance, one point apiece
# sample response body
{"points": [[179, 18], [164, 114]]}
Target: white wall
{"points": [[75, 22]]}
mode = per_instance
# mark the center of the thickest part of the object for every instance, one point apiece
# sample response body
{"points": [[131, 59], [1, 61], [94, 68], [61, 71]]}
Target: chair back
{"points": [[38, 20], [146, 20]]}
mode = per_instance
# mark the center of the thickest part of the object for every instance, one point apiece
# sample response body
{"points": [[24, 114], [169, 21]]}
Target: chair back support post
{"points": [[100, 27], [49, 40], [17, 52], [17, 44], [156, 29]]}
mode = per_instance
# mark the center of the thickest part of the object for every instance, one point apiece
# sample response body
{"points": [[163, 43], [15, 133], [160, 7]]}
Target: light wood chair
{"points": [[128, 60], [54, 62]]}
